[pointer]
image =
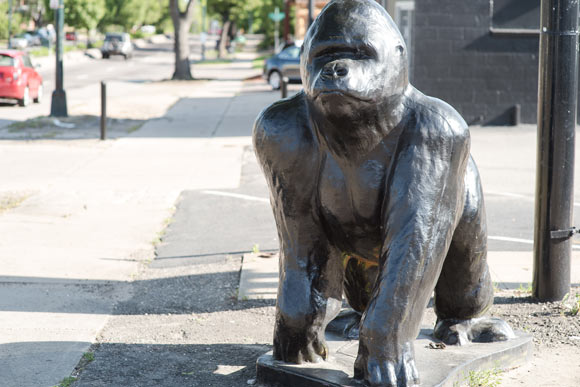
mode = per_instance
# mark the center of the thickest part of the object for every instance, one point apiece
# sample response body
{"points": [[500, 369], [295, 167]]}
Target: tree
{"points": [[83, 13], [181, 24], [232, 13], [235, 13], [130, 14]]}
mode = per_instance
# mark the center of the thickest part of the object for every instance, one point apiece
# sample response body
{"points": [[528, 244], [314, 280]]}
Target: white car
{"points": [[18, 42], [117, 44]]}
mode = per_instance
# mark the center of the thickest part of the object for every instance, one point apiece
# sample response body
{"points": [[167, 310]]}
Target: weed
{"points": [[256, 249], [88, 357], [134, 128], [572, 307], [33, 123], [11, 200], [527, 289], [482, 378]]}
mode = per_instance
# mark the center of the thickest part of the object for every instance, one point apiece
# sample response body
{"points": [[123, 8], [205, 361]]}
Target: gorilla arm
{"points": [[310, 287], [422, 207]]}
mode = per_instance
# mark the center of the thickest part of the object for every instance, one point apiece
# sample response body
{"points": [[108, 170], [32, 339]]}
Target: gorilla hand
{"points": [[381, 365], [299, 345]]}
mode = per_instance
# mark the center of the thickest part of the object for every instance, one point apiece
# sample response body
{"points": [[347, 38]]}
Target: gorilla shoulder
{"points": [[440, 120], [282, 132]]}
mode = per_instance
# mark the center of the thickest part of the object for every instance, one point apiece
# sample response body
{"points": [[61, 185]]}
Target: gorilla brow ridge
{"points": [[334, 47]]}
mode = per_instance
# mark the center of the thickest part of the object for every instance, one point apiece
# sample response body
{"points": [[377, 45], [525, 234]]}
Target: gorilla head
{"points": [[353, 55]]}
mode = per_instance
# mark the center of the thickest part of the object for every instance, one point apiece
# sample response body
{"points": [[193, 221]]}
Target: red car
{"points": [[18, 78]]}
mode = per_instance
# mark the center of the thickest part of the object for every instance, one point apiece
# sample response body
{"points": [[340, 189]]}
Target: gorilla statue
{"points": [[376, 196]]}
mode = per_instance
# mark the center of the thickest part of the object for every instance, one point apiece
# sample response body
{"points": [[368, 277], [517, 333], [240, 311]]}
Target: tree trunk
{"points": [[181, 25], [224, 38]]}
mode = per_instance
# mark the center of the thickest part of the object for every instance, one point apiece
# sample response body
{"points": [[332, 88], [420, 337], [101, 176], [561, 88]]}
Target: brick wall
{"points": [[482, 75]]}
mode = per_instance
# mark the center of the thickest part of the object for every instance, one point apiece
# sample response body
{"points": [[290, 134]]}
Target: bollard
{"points": [[103, 110], [516, 114], [284, 87]]}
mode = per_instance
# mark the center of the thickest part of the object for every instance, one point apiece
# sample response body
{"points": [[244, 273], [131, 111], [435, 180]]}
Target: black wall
{"points": [[482, 74]]}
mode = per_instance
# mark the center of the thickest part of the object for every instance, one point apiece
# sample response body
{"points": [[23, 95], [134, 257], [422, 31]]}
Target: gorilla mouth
{"points": [[339, 93]]}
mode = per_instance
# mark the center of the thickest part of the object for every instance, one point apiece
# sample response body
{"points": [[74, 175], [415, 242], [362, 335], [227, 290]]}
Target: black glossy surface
{"points": [[363, 166], [557, 94]]}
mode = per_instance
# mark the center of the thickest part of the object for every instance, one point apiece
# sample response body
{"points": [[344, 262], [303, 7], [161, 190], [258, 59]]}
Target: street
{"points": [[82, 77]]}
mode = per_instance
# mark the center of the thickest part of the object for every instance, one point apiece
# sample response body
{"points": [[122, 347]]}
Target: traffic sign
{"points": [[276, 16]]}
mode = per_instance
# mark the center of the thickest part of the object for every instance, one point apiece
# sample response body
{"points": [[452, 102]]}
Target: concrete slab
{"points": [[259, 277], [509, 270], [437, 367]]}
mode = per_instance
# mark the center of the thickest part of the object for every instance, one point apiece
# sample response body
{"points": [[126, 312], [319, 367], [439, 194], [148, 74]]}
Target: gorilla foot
{"points": [[477, 330], [346, 324]]}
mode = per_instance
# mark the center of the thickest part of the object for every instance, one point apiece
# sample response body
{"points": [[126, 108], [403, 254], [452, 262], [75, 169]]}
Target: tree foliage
{"points": [[129, 14], [85, 14], [243, 13]]}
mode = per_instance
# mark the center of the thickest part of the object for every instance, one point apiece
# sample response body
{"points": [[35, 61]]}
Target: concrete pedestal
{"points": [[437, 367]]}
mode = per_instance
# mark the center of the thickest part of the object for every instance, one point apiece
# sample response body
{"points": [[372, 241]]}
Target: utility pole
{"points": [[9, 23], [286, 36], [58, 107], [557, 95], [310, 12]]}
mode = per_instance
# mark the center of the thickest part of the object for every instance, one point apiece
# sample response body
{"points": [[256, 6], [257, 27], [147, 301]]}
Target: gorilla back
{"points": [[374, 195]]}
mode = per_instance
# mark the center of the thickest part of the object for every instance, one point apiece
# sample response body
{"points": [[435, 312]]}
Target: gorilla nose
{"points": [[334, 70]]}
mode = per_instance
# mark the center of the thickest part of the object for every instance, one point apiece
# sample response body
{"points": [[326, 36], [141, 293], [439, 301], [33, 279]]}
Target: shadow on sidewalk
{"points": [[171, 365]]}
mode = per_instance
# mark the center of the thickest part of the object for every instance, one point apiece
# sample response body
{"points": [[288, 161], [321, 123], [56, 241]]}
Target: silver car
{"points": [[117, 44]]}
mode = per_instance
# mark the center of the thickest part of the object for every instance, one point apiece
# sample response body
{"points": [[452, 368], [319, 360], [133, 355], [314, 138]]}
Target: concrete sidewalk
{"points": [[93, 212], [509, 270]]}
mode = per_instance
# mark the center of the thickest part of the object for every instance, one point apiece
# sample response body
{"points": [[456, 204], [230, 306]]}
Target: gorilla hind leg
{"points": [[464, 290], [359, 279]]}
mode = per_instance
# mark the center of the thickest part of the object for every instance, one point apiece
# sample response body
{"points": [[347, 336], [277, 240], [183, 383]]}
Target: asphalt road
{"points": [[82, 75]]}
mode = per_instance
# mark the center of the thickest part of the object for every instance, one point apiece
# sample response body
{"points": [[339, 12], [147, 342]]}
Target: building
{"points": [[480, 56]]}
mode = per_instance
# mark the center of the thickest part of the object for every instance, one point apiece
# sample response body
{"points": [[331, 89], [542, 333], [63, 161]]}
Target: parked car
{"points": [[18, 78], [117, 44], [71, 36], [284, 64], [34, 38], [20, 41]]}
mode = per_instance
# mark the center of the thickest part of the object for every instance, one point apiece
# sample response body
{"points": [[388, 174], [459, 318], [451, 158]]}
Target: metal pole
{"points": [[557, 95], [58, 107], [284, 87], [276, 30], [103, 110], [286, 36], [310, 12], [9, 23]]}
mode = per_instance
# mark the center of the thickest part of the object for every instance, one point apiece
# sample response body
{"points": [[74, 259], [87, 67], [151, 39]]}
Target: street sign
{"points": [[54, 4], [276, 16]]}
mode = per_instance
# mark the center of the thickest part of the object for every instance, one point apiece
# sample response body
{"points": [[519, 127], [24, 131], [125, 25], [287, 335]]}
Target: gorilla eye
{"points": [[345, 51], [400, 49]]}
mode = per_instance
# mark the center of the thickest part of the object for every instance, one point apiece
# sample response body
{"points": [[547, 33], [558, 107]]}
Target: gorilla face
{"points": [[353, 55]]}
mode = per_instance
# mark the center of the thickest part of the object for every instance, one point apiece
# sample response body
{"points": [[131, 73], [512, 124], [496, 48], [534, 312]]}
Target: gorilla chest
{"points": [[351, 199]]}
